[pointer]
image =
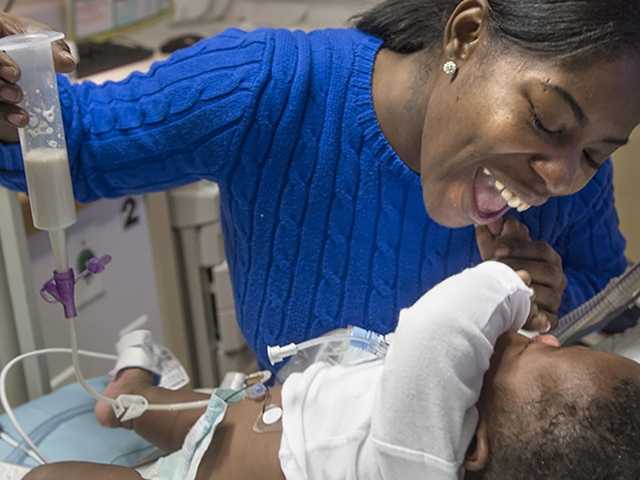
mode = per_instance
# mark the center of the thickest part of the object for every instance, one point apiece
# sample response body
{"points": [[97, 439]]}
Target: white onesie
{"points": [[413, 415]]}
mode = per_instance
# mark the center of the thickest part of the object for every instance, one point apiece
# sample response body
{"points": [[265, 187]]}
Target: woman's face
{"points": [[528, 128]]}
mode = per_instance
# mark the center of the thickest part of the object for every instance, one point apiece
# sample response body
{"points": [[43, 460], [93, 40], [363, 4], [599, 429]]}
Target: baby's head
{"points": [[557, 413]]}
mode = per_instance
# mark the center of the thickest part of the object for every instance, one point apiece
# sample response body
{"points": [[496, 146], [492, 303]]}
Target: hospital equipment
{"points": [[605, 307], [47, 169], [364, 340]]}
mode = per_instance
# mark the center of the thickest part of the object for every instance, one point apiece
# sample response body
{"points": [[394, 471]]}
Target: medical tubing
{"points": [[314, 342], [601, 309], [58, 241], [279, 353], [170, 407], [4, 400], [366, 340], [5, 437]]}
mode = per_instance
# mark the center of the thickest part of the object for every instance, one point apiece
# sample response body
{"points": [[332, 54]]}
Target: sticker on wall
{"points": [[129, 210]]}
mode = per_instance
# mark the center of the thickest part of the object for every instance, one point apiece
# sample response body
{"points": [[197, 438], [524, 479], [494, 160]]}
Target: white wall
{"points": [[627, 183], [51, 12]]}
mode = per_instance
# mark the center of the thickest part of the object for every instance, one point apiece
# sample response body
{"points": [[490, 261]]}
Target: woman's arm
{"points": [[183, 121]]}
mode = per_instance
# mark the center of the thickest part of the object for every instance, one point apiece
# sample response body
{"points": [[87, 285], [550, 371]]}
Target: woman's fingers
{"points": [[14, 115], [514, 231], [496, 227], [541, 321], [537, 250], [62, 57], [486, 242], [9, 70], [548, 299], [542, 272], [502, 233], [547, 282], [525, 276], [10, 93]]}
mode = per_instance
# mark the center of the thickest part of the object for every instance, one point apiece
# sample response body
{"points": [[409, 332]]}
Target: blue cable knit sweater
{"points": [[324, 224]]}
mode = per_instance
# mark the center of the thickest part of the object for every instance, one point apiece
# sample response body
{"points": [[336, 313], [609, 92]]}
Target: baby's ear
{"points": [[478, 456]]}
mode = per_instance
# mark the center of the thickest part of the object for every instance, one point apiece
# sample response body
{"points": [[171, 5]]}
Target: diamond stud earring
{"points": [[450, 68]]}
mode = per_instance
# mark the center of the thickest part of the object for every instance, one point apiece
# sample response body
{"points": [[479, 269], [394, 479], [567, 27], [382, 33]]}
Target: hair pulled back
{"points": [[570, 30]]}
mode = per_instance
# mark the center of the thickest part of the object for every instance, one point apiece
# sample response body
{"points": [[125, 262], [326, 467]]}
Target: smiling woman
{"points": [[533, 88], [355, 164]]}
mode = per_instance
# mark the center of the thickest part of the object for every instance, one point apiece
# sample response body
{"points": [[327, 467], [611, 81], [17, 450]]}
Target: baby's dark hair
{"points": [[567, 436], [572, 30]]}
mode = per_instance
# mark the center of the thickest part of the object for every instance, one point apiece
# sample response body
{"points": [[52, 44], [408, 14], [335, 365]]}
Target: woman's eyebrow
{"points": [[581, 117]]}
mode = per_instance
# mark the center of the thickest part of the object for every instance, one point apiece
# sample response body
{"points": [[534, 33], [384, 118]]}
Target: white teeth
{"points": [[514, 202], [511, 198], [524, 207]]}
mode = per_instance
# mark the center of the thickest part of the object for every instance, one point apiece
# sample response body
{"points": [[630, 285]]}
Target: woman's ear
{"points": [[478, 456], [464, 29]]}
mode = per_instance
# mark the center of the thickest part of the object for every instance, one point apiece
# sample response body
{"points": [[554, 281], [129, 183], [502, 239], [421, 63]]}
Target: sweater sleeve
{"points": [[425, 413], [592, 248], [180, 122]]}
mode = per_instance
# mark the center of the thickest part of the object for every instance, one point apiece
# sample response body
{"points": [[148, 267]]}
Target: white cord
{"points": [[5, 400], [75, 355], [5, 437], [170, 407]]}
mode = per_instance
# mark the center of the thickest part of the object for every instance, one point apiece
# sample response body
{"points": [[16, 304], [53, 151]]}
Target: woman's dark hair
{"points": [[571, 30]]}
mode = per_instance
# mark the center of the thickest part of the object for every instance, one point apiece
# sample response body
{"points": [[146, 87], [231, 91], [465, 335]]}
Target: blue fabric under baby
{"points": [[64, 428]]}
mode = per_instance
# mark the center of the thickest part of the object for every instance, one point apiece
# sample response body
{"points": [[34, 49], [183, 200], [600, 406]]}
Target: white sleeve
{"points": [[424, 416]]}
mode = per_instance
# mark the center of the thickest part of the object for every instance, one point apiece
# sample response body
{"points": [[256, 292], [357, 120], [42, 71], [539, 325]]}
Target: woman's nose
{"points": [[560, 172]]}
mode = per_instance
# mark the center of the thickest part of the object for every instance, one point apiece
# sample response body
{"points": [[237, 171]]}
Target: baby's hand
{"points": [[510, 242]]}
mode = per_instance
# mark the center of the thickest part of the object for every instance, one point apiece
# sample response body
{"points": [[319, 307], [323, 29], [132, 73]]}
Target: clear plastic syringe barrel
{"points": [[43, 143]]}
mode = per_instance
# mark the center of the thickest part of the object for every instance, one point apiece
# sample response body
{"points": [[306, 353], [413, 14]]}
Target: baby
{"points": [[460, 394]]}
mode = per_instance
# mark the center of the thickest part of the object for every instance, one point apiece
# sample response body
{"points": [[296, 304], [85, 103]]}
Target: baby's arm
{"points": [[425, 415]]}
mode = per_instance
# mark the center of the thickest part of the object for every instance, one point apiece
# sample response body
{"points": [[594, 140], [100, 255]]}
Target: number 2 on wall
{"points": [[129, 210]]}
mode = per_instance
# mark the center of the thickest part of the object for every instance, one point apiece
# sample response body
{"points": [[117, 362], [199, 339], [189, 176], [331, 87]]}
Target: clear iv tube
{"points": [[42, 141]]}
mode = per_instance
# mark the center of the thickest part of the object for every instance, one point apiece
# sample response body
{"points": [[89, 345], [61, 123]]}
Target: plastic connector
{"points": [[369, 341], [61, 288], [277, 353], [130, 407]]}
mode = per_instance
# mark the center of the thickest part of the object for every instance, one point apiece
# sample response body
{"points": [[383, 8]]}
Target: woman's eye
{"points": [[538, 125]]}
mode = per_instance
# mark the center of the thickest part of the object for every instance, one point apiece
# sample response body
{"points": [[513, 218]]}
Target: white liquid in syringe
{"points": [[50, 189]]}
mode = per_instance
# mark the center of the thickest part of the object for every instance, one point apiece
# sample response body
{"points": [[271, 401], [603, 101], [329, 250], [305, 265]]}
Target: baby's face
{"points": [[527, 368]]}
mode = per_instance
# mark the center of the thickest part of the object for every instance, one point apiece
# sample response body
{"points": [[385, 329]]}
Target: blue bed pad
{"points": [[64, 428]]}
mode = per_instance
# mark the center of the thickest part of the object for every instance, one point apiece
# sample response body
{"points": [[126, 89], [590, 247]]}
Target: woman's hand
{"points": [[10, 93], [510, 242]]}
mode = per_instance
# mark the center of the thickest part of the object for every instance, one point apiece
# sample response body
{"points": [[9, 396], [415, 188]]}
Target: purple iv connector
{"points": [[61, 288]]}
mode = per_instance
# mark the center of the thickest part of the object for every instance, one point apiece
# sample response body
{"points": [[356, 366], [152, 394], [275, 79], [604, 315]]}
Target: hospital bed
{"points": [[74, 414]]}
